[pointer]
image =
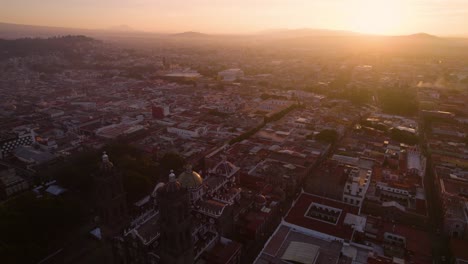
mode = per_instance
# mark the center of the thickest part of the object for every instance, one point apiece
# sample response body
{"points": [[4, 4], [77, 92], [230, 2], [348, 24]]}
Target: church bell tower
{"points": [[110, 197], [175, 218]]}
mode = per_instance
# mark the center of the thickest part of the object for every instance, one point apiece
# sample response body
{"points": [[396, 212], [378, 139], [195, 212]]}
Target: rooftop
{"points": [[298, 215], [223, 251], [30, 154], [287, 244]]}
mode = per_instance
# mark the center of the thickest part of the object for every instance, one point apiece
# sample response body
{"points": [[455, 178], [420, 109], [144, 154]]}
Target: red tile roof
{"points": [[223, 252], [418, 242], [297, 216]]}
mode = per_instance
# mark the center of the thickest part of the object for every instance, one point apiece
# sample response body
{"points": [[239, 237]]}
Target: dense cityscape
{"points": [[193, 148]]}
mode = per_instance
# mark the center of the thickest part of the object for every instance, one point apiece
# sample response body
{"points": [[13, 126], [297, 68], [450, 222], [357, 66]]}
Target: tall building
{"points": [[110, 197], [175, 223]]}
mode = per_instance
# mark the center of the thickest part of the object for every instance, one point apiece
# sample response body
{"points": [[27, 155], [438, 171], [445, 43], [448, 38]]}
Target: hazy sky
{"points": [[442, 17]]}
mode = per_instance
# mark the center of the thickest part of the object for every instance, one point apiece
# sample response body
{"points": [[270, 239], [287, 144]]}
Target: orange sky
{"points": [[442, 17]]}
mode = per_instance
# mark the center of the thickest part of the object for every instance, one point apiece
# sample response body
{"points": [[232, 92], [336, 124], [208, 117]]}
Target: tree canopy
{"points": [[26, 222], [404, 136], [327, 136], [171, 161], [138, 170], [400, 100]]}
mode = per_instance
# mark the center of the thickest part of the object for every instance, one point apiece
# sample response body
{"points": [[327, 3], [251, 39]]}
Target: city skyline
{"points": [[363, 16], [251, 131]]}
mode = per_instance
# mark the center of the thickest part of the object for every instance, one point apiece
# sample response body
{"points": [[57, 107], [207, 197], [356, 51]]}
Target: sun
{"points": [[375, 16]]}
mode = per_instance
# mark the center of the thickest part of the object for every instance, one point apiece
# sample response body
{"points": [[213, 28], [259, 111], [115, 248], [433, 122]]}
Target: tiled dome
{"points": [[189, 178]]}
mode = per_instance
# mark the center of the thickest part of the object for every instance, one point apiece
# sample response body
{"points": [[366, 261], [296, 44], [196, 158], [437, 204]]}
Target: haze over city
{"points": [[387, 17], [233, 132]]}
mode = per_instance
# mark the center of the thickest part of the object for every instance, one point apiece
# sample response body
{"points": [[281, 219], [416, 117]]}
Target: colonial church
{"points": [[184, 219]]}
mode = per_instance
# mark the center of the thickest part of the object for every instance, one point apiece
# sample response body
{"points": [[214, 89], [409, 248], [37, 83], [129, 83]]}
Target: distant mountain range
{"points": [[9, 30], [297, 40], [303, 32], [422, 36], [121, 28], [290, 39], [13, 31], [191, 34]]}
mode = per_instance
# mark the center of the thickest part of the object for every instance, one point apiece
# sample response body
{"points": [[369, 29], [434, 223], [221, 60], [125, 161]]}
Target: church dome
{"points": [[189, 178]]}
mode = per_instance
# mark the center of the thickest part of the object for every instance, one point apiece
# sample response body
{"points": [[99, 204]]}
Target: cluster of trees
{"points": [[30, 46], [339, 88], [246, 135], [327, 135], [71, 49], [27, 223], [342, 79], [399, 100], [404, 136], [395, 134], [139, 72], [178, 80], [274, 117], [357, 96], [280, 114], [171, 161], [139, 171], [265, 96], [376, 125]]}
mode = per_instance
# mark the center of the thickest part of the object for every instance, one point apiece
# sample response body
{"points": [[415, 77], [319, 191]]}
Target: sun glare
{"points": [[376, 16]]}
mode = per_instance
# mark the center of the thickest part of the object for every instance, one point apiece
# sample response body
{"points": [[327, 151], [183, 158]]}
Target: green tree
{"points": [[30, 225], [136, 185], [404, 136], [400, 100], [327, 136]]}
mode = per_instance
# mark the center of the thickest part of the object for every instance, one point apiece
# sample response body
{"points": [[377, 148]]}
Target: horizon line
{"points": [[256, 32]]}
